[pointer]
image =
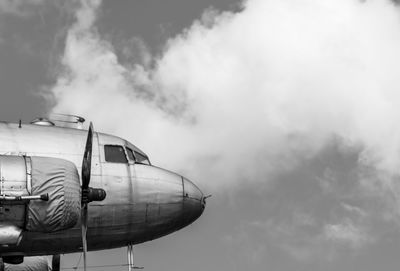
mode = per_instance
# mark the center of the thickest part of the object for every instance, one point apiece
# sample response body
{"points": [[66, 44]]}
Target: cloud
{"points": [[253, 99], [249, 92], [299, 217], [18, 7], [302, 236], [347, 233], [302, 240]]}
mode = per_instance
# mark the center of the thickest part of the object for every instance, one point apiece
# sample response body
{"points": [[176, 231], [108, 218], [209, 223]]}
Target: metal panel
{"points": [[13, 183], [9, 234], [13, 175]]}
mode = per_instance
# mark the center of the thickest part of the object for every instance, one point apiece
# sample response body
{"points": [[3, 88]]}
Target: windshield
{"points": [[139, 156], [142, 159]]}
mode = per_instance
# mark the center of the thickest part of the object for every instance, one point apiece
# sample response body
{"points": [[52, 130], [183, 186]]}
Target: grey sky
{"points": [[285, 111]]}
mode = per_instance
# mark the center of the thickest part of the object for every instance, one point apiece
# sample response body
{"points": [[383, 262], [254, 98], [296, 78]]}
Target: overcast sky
{"points": [[287, 111]]}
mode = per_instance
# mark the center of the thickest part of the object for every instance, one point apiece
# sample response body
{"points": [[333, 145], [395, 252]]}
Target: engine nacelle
{"points": [[24, 176]]}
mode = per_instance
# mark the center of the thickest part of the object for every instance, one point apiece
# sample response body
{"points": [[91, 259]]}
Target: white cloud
{"points": [[18, 7], [242, 96], [246, 95], [346, 233], [354, 210], [304, 238]]}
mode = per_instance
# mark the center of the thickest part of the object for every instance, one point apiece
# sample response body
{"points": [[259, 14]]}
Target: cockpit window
{"points": [[130, 154], [115, 154], [140, 158]]}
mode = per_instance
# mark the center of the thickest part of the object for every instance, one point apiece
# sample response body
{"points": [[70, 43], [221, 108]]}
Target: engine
{"points": [[38, 194]]}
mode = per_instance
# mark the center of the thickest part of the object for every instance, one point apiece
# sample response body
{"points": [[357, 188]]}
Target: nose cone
{"points": [[193, 202]]}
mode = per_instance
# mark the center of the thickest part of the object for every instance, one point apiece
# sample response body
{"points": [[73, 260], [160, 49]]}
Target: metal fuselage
{"points": [[143, 202]]}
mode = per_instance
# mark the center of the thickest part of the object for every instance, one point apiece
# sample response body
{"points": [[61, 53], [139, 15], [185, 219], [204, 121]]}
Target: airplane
{"points": [[48, 208]]}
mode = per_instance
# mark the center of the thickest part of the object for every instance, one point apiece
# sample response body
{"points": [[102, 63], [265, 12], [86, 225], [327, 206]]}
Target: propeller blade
{"points": [[84, 211], [55, 262], [86, 168], [87, 159]]}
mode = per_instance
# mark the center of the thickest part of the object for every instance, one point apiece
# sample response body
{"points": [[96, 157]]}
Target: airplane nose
{"points": [[193, 202]]}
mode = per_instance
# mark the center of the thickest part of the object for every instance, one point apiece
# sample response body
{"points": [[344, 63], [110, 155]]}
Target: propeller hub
{"points": [[93, 194]]}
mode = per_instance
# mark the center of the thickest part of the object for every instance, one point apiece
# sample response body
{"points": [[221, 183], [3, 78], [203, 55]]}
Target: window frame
{"points": [[127, 150], [114, 162], [145, 156]]}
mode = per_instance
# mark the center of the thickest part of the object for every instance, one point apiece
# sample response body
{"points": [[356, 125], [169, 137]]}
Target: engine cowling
{"points": [[59, 178], [22, 176]]}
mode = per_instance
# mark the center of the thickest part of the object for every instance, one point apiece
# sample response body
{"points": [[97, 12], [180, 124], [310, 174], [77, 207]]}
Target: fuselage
{"points": [[143, 202]]}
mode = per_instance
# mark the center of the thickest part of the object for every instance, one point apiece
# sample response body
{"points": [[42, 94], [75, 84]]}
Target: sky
{"points": [[285, 111]]}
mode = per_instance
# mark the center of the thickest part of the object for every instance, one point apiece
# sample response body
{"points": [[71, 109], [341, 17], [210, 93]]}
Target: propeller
{"points": [[89, 194], [55, 262]]}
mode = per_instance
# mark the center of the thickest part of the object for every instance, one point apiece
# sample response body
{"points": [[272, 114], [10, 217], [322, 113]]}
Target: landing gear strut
{"points": [[131, 265]]}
